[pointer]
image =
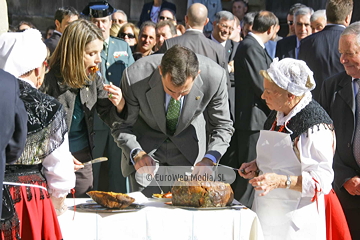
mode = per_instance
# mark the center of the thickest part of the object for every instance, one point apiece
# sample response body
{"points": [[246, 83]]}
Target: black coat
{"points": [[250, 110], [52, 41], [337, 98], [285, 48], [320, 51], [13, 118]]}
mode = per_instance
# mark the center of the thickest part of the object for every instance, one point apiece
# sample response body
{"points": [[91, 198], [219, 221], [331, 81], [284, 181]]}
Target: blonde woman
{"points": [[75, 81]]}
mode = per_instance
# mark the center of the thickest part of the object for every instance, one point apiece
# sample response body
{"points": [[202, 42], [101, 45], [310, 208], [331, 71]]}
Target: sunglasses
{"points": [[47, 67], [165, 18], [290, 23], [129, 35]]}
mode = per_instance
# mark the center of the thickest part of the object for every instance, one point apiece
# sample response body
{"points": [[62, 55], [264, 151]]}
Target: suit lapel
{"points": [[156, 97], [190, 105], [346, 92]]}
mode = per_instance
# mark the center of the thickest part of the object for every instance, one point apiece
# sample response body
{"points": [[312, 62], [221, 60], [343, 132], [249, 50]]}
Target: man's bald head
{"points": [[197, 15]]}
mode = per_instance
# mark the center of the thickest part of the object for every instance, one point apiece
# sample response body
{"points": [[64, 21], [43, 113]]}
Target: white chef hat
{"points": [[21, 52], [292, 75]]}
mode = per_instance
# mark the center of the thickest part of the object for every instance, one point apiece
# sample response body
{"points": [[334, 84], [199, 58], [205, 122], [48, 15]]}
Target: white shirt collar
{"points": [[58, 32], [257, 38], [222, 43], [192, 29]]}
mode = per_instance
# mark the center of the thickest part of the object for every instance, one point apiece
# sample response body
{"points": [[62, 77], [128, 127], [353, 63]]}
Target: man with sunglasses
{"points": [[290, 17], [167, 14], [115, 57]]}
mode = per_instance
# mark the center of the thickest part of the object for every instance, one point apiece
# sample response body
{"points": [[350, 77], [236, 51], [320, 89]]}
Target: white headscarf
{"points": [[21, 52], [292, 75]]}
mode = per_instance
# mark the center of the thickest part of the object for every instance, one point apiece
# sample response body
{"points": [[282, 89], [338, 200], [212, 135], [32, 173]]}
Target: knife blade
{"points": [[96, 160], [221, 165]]}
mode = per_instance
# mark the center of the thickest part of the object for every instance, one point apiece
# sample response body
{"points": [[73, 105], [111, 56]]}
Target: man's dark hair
{"points": [[263, 21], [65, 11], [249, 18], [146, 24], [181, 63], [167, 23], [338, 10], [295, 7]]}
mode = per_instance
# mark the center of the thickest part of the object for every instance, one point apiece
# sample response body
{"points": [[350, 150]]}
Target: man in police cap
{"points": [[115, 57]]}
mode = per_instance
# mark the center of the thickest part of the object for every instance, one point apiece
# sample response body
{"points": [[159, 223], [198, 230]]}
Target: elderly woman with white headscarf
{"points": [[293, 168], [38, 195]]}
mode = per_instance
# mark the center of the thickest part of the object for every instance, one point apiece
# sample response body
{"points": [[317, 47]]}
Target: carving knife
{"points": [[96, 160]]}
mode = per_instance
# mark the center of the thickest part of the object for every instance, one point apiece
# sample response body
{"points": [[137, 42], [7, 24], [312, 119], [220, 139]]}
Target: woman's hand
{"points": [[77, 164], [267, 182], [248, 170], [115, 96]]}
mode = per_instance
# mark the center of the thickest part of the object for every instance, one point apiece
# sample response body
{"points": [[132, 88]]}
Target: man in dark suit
{"points": [[13, 118], [339, 97], [63, 17], [320, 50], [150, 86], [289, 46], [115, 57], [194, 39], [222, 29], [151, 10], [250, 110]]}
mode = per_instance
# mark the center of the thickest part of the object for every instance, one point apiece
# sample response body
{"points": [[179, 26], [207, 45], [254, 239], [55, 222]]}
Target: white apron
{"points": [[283, 213]]}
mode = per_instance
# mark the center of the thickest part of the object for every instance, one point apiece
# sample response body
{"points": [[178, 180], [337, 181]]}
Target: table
{"points": [[158, 221]]}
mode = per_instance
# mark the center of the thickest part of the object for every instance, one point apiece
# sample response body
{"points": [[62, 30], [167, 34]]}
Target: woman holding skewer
{"points": [[75, 81]]}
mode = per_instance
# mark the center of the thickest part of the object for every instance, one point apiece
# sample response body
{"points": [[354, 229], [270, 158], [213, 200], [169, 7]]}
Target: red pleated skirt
{"points": [[336, 224], [36, 213]]}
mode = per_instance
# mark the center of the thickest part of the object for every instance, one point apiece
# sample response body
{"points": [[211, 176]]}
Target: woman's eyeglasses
{"points": [[129, 35], [47, 67]]}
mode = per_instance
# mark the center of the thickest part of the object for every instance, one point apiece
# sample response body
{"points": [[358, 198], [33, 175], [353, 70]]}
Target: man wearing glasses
{"points": [[290, 17], [167, 14]]}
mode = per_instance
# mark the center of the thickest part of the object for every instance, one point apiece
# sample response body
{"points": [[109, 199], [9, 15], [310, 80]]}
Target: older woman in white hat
{"points": [[24, 55], [294, 156]]}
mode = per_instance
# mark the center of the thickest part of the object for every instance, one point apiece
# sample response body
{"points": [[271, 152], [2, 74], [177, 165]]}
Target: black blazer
{"points": [[320, 51], [146, 10], [52, 41], [13, 119], [337, 98], [285, 48], [250, 110]]}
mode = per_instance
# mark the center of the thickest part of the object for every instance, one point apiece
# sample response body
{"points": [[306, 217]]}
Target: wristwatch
{"points": [[288, 182]]}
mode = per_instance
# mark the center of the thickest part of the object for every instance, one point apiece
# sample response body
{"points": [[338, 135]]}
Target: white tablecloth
{"points": [[157, 221]]}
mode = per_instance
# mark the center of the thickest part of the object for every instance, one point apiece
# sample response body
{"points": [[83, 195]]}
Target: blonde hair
{"points": [[114, 30], [135, 29], [69, 53]]}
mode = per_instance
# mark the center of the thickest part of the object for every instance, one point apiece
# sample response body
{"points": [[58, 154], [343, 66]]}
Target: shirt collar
{"points": [[258, 39]]}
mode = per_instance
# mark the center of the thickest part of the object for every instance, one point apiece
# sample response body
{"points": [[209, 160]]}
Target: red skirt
{"points": [[336, 224], [34, 210]]}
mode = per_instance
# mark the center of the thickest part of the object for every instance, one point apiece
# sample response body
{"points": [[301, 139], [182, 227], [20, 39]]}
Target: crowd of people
{"points": [[224, 87]]}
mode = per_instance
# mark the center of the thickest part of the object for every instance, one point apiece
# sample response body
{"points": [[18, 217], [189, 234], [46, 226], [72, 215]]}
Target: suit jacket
{"points": [[197, 42], [145, 124], [337, 98], [13, 118], [230, 50], [146, 10], [320, 51], [285, 48], [250, 110], [52, 41]]}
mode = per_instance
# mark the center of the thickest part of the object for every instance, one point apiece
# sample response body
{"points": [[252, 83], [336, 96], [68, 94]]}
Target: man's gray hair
{"points": [[303, 11], [317, 14], [121, 11], [226, 15], [353, 29]]}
